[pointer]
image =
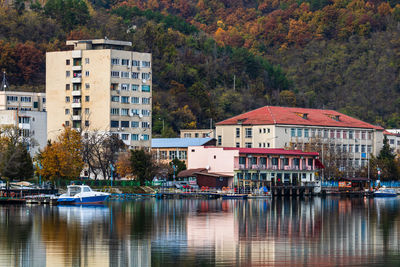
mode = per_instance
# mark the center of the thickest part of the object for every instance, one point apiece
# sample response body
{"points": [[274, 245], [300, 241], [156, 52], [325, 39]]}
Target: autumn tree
{"points": [[123, 165]]}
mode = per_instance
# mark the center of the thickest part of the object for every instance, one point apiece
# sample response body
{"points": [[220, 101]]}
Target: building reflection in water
{"points": [[309, 231]]}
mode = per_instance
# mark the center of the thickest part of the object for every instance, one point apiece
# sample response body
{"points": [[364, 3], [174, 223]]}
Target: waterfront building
{"points": [[302, 128], [393, 136], [99, 86], [197, 133], [167, 149]]}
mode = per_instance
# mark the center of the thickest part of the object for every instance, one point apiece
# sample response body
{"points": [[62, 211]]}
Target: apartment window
{"points": [[125, 99], [145, 112], [135, 87], [325, 133], [67, 87], [115, 74], [135, 75], [115, 61], [87, 73], [124, 136], [135, 63], [351, 148], [344, 134], [114, 111], [67, 99], [363, 147], [237, 144], [135, 111], [268, 144], [172, 155], [332, 134], [125, 87], [114, 124], [350, 134], [369, 149], [67, 73], [67, 62], [125, 124], [66, 111], [145, 88], [87, 111], [338, 134], [369, 135], [357, 148], [86, 123], [319, 133], [145, 76], [125, 74], [145, 137], [135, 100], [344, 148], [66, 123], [248, 145], [312, 133], [26, 99], [87, 85], [237, 132], [134, 137], [87, 61], [249, 132], [219, 140], [134, 124], [114, 98], [146, 64], [146, 100], [124, 111], [299, 132], [357, 134], [145, 124], [391, 141], [125, 62], [363, 135], [87, 98], [293, 132], [306, 133]]}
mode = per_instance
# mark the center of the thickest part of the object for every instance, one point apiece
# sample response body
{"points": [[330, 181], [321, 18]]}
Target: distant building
{"points": [[167, 149], [197, 133], [99, 86], [298, 128], [393, 136]]}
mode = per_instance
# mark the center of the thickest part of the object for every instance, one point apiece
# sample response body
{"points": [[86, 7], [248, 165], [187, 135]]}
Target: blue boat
{"points": [[385, 192], [82, 194]]}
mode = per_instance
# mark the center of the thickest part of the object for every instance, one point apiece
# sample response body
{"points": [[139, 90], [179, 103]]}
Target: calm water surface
{"points": [[273, 232]]}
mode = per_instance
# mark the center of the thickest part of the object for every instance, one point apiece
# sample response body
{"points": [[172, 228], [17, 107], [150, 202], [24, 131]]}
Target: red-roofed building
{"points": [[289, 127], [393, 136]]}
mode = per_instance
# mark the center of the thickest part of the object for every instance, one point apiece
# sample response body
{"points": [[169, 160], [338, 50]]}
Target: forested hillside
{"points": [[216, 58]]}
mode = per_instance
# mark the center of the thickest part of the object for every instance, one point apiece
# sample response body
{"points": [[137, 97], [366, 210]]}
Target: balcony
{"points": [[76, 117], [272, 167], [76, 93], [76, 80], [76, 67], [76, 105], [76, 53], [24, 126]]}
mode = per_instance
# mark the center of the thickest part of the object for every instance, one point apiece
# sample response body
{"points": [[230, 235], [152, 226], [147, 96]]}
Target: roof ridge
{"points": [[270, 113]]}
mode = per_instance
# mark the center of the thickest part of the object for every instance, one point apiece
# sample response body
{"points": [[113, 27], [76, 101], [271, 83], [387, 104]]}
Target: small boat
{"points": [[385, 192], [235, 196], [259, 196], [82, 194]]}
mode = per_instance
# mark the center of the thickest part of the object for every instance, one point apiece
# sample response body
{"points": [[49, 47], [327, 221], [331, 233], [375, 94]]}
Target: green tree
{"points": [[387, 163], [143, 165], [179, 165], [69, 13]]}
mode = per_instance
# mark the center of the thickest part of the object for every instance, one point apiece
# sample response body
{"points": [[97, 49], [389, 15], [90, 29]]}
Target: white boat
{"points": [[385, 192], [82, 194]]}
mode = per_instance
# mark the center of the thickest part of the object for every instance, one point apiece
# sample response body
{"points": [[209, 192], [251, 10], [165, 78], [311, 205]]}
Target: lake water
{"points": [[273, 232]]}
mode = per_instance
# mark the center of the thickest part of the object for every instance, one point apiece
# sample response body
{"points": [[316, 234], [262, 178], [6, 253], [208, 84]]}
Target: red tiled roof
{"points": [[272, 151], [293, 116], [390, 133]]}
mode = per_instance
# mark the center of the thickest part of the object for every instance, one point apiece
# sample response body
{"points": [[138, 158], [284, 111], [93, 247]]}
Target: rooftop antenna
{"points": [[4, 83]]}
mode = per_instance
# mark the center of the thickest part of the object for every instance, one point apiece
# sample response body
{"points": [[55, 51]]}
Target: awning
{"points": [[318, 164]]}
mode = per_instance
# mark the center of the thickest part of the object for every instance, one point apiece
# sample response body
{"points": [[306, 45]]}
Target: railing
{"points": [[272, 167]]}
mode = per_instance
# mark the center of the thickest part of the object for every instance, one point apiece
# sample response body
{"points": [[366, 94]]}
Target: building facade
{"points": [[197, 133], [300, 128], [393, 136], [24, 101], [99, 86]]}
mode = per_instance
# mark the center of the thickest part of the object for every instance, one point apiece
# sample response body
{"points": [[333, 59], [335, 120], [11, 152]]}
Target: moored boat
{"points": [[82, 194], [385, 192], [234, 196]]}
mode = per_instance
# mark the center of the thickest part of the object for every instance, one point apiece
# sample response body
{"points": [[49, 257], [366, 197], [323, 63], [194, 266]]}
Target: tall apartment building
{"points": [[99, 86], [284, 127]]}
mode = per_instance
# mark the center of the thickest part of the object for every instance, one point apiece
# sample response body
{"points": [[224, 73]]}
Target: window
{"points": [[357, 134], [125, 86], [87, 61], [145, 88], [344, 148], [146, 100], [114, 124], [87, 111], [44, 100], [124, 111], [124, 136], [66, 111], [12, 98], [363, 148], [135, 100], [26, 99], [146, 64], [357, 148], [114, 111], [369, 149], [135, 75], [344, 135], [145, 124], [87, 73], [134, 124], [338, 134], [332, 134], [125, 74], [248, 145], [325, 133], [134, 137], [145, 112], [182, 155], [248, 132], [237, 144], [293, 132], [67, 99], [23, 120], [369, 135], [319, 133], [125, 62], [115, 98], [87, 98], [237, 132], [86, 123], [125, 124], [306, 133], [135, 63], [145, 137], [115, 74], [350, 134], [172, 155], [219, 140], [299, 132], [66, 123], [391, 141], [351, 148], [67, 87], [67, 73], [67, 62], [363, 135], [145, 76], [135, 111], [115, 61], [87, 85], [125, 99], [135, 87]]}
